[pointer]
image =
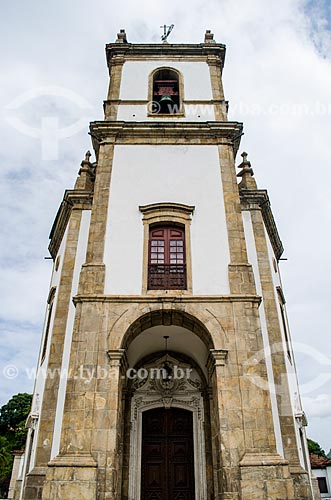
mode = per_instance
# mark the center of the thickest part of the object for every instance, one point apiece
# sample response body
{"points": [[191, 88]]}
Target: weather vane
{"points": [[166, 31]]}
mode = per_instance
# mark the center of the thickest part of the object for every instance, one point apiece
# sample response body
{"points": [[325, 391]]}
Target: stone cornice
{"points": [[128, 51], [130, 102], [152, 208], [73, 198], [252, 199], [167, 298], [162, 132]]}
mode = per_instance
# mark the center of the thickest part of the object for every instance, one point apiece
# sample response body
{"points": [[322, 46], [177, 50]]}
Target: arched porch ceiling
{"points": [[180, 340]]}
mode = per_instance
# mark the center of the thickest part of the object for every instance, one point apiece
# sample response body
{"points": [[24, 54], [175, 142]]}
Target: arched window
{"points": [[167, 247], [166, 258], [166, 92]]}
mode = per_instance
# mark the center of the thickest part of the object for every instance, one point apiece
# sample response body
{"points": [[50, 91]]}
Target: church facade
{"points": [[166, 369]]}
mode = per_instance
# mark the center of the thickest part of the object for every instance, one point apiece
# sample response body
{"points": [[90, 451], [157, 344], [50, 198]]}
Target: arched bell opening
{"points": [[167, 374], [166, 91]]}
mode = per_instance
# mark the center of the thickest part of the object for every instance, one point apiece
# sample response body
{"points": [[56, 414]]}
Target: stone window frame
{"points": [[282, 302], [323, 484], [185, 397], [181, 112], [50, 307], [162, 213]]}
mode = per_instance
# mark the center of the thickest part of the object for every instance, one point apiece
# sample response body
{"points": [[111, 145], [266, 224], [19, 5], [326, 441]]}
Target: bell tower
{"points": [[166, 368]]}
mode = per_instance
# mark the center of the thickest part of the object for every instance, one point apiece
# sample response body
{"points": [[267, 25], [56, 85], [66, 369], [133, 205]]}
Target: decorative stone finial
{"points": [[245, 165], [209, 37], [86, 173], [246, 173], [121, 37], [244, 157]]}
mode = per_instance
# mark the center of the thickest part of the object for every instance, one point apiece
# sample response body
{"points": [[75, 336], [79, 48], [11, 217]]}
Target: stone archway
{"points": [[167, 317], [192, 345]]}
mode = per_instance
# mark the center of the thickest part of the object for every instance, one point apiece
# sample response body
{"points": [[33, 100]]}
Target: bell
{"points": [[166, 99]]}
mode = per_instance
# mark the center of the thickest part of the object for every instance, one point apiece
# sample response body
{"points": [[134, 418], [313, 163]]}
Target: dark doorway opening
{"points": [[167, 462]]}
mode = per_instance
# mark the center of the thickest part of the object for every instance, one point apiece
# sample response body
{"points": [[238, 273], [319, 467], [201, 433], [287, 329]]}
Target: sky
{"points": [[277, 78]]}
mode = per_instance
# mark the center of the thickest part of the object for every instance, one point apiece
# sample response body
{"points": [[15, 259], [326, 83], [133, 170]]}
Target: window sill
{"points": [[168, 293]]}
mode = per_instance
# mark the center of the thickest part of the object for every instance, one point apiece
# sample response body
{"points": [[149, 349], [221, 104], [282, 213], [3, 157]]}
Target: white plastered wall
{"points": [[135, 84], [199, 112], [180, 174]]}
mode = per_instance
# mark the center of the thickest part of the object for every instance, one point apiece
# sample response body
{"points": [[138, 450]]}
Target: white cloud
{"points": [[319, 406]]}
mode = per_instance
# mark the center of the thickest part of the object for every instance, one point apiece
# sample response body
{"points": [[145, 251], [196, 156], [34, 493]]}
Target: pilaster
{"points": [[245, 424], [113, 98], [275, 339], [93, 271], [265, 477], [241, 276], [220, 105], [15, 480], [71, 477], [115, 66], [90, 448], [35, 478]]}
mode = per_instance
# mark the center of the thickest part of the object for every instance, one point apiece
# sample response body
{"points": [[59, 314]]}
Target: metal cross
{"points": [[166, 31]]}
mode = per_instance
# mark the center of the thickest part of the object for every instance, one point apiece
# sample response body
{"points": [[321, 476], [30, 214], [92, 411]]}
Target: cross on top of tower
{"points": [[166, 31]]}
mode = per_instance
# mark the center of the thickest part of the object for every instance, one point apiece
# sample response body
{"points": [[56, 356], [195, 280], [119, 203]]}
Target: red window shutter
{"points": [[166, 260], [167, 244]]}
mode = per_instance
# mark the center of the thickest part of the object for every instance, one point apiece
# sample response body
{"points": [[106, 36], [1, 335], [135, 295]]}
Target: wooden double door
{"points": [[167, 462]]}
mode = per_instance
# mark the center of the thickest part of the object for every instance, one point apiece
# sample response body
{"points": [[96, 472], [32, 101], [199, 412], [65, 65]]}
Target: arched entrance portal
{"points": [[167, 460], [190, 353], [152, 470]]}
